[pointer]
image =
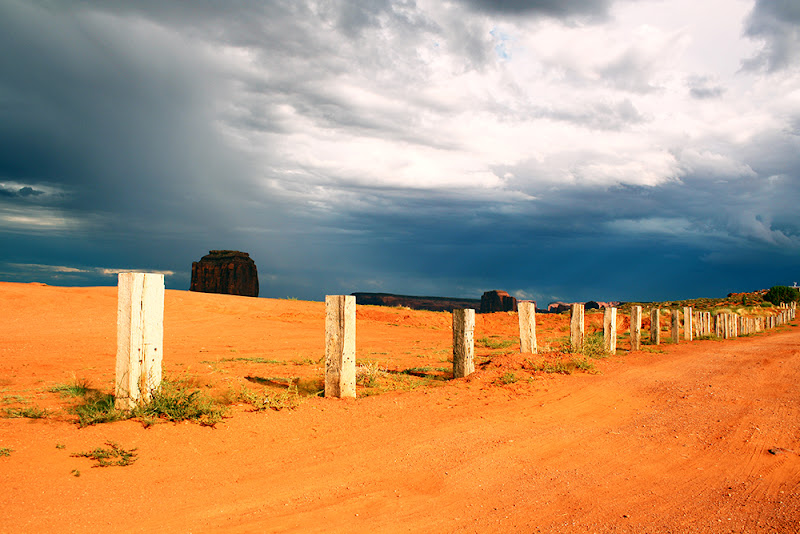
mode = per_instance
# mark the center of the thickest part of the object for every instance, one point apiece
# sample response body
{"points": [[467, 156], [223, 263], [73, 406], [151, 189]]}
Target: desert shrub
{"points": [[175, 403], [594, 346], [509, 377], [97, 407], [778, 294]]}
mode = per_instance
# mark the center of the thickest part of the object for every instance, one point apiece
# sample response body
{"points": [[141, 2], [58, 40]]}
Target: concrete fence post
{"points": [[676, 326], [463, 342], [576, 327], [527, 327], [655, 326], [688, 329], [636, 327], [340, 346], [610, 330], [140, 338]]}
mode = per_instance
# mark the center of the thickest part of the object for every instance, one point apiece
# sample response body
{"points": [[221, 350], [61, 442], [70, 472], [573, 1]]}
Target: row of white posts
{"points": [[140, 335]]}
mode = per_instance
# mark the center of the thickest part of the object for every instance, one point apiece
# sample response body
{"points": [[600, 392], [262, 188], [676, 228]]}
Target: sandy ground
{"points": [[698, 437]]}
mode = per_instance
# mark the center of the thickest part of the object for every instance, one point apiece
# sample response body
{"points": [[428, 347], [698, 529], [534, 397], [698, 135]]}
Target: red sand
{"points": [[677, 441]]}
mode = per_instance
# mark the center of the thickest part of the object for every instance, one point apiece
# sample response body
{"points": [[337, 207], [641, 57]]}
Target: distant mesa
{"points": [[416, 303], [557, 307], [225, 271], [497, 301]]}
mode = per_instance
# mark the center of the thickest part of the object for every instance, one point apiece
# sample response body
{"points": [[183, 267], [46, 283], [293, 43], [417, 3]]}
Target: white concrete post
{"points": [[676, 326], [576, 327], [688, 329], [527, 327], [463, 342], [140, 338], [610, 330], [655, 326], [636, 327], [340, 346]]}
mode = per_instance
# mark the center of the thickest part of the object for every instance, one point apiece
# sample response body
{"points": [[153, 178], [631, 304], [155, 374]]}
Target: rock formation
{"points": [[557, 307], [497, 301], [225, 271]]}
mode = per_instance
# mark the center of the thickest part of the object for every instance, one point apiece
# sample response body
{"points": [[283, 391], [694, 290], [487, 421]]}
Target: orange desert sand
{"points": [[699, 437]]}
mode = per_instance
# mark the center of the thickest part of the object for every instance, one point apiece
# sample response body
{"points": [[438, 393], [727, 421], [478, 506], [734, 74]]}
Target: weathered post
{"points": [[140, 338], [527, 326], [610, 330], [463, 342], [688, 330], [655, 326], [676, 326], [636, 327], [576, 327], [340, 346]]}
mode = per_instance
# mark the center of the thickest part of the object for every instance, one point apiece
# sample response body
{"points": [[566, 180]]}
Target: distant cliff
{"points": [[416, 303]]}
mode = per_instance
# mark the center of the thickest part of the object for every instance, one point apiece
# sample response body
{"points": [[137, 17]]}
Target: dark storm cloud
{"points": [[22, 192], [583, 9], [774, 22]]}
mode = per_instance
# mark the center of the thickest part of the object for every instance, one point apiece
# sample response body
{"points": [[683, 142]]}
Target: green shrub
{"points": [[509, 377], [173, 402], [778, 294]]}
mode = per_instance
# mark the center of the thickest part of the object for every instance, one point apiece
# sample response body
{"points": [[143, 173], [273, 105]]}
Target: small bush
{"points": [[509, 377], [97, 407], [174, 403], [594, 346], [5, 451], [779, 294]]}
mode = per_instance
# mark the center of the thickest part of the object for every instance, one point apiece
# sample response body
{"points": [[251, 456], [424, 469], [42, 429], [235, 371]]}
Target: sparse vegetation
{"points": [[28, 412], [562, 366], [76, 388], [509, 377], [495, 344], [368, 374], [114, 455], [272, 400], [5, 451]]}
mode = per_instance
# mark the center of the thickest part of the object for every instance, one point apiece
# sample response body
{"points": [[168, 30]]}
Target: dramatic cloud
{"points": [[558, 150], [777, 24]]}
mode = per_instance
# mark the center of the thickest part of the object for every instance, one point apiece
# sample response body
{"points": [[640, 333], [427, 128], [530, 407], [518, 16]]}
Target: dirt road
{"points": [[702, 437]]}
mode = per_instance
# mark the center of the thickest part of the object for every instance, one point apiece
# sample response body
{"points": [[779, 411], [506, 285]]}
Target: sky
{"points": [[560, 150]]}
